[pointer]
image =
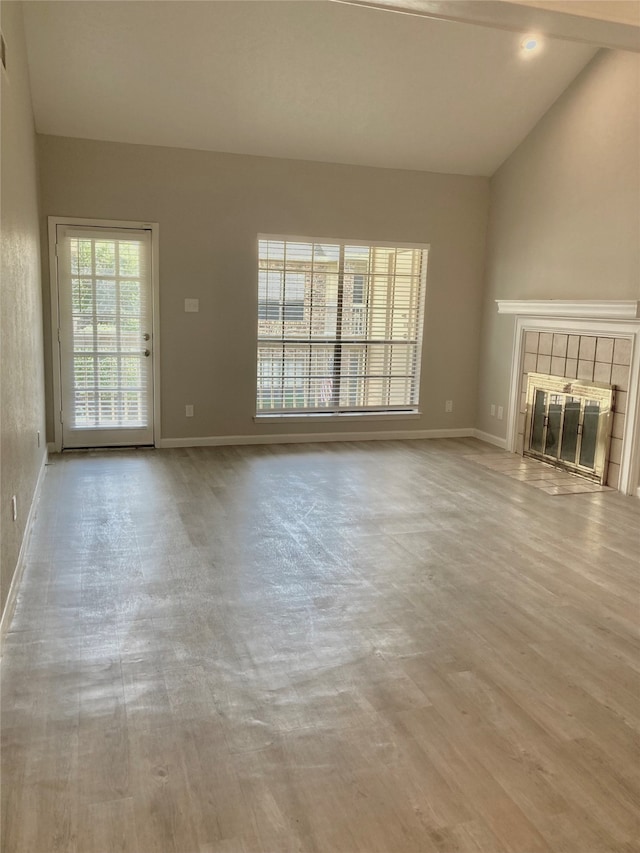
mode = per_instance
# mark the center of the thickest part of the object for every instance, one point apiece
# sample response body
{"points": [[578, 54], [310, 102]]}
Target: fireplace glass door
{"points": [[568, 423]]}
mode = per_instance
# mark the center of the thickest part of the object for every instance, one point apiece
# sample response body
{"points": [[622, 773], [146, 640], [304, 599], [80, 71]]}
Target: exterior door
{"points": [[106, 348]]}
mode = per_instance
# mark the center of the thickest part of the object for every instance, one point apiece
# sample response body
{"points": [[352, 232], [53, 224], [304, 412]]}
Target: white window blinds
{"points": [[339, 326]]}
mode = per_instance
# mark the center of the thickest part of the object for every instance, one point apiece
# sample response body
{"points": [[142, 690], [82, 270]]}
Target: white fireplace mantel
{"points": [[608, 317], [603, 309]]}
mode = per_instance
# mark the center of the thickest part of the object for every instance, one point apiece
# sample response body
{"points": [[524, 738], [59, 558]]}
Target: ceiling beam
{"points": [[564, 19]]}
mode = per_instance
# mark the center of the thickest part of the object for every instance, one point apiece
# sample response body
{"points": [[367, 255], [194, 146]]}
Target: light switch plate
{"points": [[191, 306]]}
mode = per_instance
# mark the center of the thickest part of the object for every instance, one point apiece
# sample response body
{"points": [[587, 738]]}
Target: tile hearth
{"points": [[541, 476]]}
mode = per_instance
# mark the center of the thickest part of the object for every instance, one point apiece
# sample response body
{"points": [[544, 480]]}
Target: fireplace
{"points": [[568, 424], [588, 343]]}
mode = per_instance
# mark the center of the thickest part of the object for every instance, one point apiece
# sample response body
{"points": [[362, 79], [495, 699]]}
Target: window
{"points": [[339, 326], [358, 307], [280, 297], [358, 289]]}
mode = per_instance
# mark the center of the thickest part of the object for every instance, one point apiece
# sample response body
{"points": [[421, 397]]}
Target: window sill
{"points": [[336, 416]]}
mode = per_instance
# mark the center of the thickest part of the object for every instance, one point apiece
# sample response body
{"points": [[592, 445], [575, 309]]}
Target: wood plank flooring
{"points": [[341, 648]]}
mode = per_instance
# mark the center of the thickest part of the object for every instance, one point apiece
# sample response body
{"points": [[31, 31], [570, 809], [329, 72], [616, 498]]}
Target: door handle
{"points": [[147, 353], [146, 336]]}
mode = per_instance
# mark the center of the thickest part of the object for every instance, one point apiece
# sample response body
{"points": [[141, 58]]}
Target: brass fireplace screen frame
{"points": [[568, 424]]}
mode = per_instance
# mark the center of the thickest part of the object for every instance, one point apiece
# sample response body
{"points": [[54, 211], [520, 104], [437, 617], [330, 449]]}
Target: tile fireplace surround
{"points": [[582, 339]]}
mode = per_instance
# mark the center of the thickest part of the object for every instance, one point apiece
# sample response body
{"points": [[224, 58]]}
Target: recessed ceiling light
{"points": [[530, 44]]}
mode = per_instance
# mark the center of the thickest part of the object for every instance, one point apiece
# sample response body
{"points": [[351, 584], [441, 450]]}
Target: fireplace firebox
{"points": [[568, 424]]}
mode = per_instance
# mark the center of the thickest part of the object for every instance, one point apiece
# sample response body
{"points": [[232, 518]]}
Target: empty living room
{"points": [[320, 426]]}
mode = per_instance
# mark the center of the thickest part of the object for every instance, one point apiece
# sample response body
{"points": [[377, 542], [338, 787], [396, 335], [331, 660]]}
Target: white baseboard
{"points": [[10, 604], [314, 437], [490, 439]]}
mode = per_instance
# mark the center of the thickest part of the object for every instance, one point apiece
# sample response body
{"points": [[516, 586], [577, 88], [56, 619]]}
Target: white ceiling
{"points": [[306, 80]]}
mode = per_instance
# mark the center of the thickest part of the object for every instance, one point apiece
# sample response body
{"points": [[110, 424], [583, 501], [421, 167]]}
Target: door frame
{"points": [[154, 228]]}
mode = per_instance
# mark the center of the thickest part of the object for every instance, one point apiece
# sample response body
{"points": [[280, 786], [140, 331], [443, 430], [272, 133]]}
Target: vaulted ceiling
{"points": [[307, 80]]}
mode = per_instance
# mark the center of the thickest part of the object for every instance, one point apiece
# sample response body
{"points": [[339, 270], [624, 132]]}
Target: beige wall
{"points": [[21, 377], [565, 212], [212, 206]]}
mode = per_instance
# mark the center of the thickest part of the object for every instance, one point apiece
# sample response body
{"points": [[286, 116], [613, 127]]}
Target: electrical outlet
{"points": [[191, 306], [500, 412], [14, 508], [448, 405], [188, 411], [493, 410]]}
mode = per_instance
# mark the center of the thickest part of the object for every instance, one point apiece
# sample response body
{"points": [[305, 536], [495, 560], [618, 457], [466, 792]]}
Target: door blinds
{"points": [[107, 329]]}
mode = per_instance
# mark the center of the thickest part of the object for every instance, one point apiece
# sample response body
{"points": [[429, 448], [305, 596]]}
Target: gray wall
{"points": [[564, 220], [211, 207], [21, 356]]}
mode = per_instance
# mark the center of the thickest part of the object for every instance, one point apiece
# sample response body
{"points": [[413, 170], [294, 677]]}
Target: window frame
{"points": [[411, 410]]}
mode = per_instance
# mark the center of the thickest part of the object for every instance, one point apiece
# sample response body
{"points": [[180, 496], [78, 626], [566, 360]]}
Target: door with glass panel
{"points": [[106, 347]]}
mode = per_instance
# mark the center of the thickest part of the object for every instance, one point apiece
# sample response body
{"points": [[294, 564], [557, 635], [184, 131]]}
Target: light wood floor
{"points": [[371, 648]]}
